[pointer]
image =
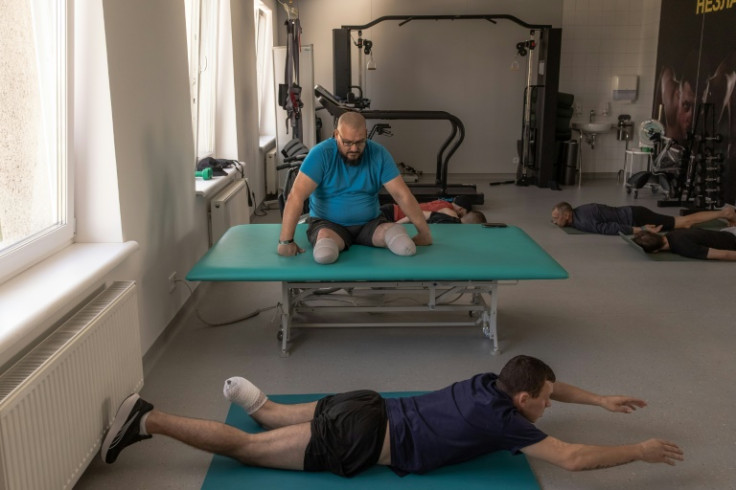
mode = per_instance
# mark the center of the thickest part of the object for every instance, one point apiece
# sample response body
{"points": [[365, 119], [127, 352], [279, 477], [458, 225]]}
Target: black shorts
{"points": [[347, 433], [360, 234], [388, 211], [645, 216]]}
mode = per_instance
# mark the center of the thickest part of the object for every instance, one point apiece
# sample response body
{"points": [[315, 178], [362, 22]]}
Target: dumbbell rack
{"points": [[702, 181]]}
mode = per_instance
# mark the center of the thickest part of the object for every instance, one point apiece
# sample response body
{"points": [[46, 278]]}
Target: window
{"points": [[202, 29], [264, 49], [36, 174]]}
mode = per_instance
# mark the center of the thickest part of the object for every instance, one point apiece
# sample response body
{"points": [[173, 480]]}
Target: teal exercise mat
{"points": [[573, 231], [459, 252], [665, 256], [499, 471]]}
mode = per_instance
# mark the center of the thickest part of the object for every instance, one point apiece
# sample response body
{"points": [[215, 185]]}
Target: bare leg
{"points": [[327, 233], [268, 414], [273, 415], [281, 448], [394, 237], [379, 236], [728, 213]]}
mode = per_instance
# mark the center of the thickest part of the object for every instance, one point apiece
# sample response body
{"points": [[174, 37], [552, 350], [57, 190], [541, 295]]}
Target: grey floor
{"points": [[621, 324]]}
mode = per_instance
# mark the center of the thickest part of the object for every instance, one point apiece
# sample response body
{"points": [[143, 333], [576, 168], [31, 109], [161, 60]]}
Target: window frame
{"points": [[34, 248], [203, 31]]}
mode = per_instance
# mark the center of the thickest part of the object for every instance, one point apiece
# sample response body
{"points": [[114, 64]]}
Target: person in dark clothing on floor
{"points": [[694, 243], [350, 432], [609, 220]]}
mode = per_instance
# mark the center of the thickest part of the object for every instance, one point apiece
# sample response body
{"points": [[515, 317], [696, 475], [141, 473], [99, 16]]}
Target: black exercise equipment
{"points": [[703, 176], [423, 192]]}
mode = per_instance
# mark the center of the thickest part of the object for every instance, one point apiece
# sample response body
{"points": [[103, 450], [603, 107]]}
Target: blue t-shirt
{"points": [[458, 423], [347, 194]]}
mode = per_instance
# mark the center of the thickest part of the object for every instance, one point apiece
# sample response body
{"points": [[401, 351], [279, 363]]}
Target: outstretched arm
{"points": [[406, 219], [579, 457], [566, 393], [409, 205], [300, 191]]}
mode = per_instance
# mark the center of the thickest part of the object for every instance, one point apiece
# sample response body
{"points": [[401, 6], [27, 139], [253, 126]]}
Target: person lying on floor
{"points": [[448, 216], [459, 207], [341, 177], [350, 432], [442, 215], [609, 220], [695, 243]]}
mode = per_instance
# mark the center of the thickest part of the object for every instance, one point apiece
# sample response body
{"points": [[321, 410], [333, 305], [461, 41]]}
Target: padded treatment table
{"points": [[463, 260]]}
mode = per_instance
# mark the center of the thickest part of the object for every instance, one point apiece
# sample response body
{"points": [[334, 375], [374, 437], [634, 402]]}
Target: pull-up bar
{"points": [[408, 18]]}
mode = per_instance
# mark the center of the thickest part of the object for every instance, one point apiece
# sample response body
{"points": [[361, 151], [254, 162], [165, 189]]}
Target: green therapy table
{"points": [[464, 260]]}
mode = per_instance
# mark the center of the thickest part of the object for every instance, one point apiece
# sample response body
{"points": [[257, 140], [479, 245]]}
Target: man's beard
{"points": [[352, 163]]}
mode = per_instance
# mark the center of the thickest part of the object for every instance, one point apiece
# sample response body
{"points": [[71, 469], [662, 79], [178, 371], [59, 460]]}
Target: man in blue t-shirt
{"points": [[350, 432], [341, 177]]}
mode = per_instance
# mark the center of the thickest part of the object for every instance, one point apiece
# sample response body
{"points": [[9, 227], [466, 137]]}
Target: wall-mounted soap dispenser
{"points": [[625, 87]]}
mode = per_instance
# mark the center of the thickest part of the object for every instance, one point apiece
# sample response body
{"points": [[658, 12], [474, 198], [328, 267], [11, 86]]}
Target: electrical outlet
{"points": [[515, 160], [172, 282]]}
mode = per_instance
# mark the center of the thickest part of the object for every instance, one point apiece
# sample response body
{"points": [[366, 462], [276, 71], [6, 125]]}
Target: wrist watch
{"points": [[286, 242]]}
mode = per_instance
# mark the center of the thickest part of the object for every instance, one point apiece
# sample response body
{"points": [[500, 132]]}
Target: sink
{"points": [[591, 127]]}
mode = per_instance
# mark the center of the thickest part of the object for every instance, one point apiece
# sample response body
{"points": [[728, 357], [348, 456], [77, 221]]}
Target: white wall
{"points": [[462, 67], [153, 148], [601, 39]]}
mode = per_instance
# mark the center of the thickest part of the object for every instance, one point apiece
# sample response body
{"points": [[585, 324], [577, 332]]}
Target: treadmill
{"points": [[423, 192]]}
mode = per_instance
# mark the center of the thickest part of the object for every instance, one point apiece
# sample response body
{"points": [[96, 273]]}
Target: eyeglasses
{"points": [[348, 144]]}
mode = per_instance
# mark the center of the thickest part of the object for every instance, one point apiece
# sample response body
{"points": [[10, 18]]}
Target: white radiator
{"points": [[57, 401], [272, 180], [228, 208]]}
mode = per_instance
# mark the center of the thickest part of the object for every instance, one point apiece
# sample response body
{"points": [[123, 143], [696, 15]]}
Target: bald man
{"points": [[341, 177]]}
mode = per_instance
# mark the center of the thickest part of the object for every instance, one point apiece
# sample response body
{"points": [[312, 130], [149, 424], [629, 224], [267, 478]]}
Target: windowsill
{"points": [[266, 143], [48, 290], [207, 188]]}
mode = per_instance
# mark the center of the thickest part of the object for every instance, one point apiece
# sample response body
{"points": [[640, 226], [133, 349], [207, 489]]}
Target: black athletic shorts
{"points": [[645, 216], [360, 234], [347, 433], [388, 211]]}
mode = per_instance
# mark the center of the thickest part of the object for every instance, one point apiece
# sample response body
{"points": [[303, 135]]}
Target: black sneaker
{"points": [[125, 429]]}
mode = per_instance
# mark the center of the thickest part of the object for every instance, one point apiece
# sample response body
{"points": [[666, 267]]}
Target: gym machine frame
{"points": [[343, 85], [423, 192]]}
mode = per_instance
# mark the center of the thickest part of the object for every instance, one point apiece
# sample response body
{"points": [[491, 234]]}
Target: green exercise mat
{"points": [[714, 224], [501, 471], [572, 231]]}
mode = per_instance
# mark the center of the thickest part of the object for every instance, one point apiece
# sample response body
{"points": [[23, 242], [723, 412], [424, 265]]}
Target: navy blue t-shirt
{"points": [[606, 220], [463, 421]]}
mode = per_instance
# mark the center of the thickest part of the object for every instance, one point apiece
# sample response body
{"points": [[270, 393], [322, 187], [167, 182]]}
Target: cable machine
{"points": [[535, 139]]}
